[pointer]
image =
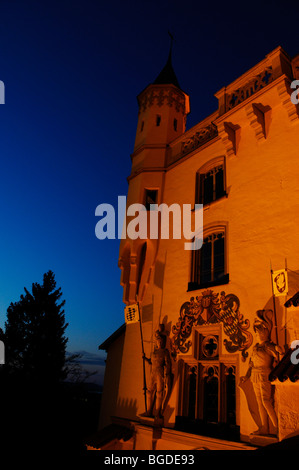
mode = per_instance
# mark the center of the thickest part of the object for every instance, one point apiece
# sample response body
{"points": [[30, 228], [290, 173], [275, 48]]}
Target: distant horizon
{"points": [[93, 363]]}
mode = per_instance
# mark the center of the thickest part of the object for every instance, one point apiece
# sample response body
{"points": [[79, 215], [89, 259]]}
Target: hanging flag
{"points": [[280, 282], [132, 313]]}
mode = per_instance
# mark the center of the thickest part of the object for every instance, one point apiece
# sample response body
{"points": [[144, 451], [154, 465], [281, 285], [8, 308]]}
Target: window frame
{"points": [[146, 190], [196, 420], [195, 274], [210, 166]]}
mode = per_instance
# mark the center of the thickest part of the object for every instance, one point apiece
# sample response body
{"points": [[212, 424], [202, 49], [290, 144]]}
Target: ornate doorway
{"points": [[207, 400]]}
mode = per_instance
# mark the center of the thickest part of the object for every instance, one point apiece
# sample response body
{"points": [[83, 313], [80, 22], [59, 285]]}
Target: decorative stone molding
{"points": [[295, 67], [285, 91], [275, 65], [230, 135], [160, 95], [210, 371], [255, 84], [199, 138], [259, 117]]}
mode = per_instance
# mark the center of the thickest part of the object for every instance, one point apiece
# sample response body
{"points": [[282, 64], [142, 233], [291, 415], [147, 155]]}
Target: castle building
{"points": [[221, 377]]}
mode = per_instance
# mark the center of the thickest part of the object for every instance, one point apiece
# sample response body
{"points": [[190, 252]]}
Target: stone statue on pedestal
{"points": [[260, 366], [161, 376]]}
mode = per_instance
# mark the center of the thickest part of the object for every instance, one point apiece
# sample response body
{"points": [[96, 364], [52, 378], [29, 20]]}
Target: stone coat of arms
{"points": [[209, 308]]}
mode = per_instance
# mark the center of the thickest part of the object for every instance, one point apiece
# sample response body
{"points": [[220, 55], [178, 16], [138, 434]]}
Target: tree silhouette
{"points": [[40, 409], [34, 336]]}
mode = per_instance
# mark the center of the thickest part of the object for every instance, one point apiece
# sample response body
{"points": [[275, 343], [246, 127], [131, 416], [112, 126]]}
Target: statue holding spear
{"points": [[161, 376]]}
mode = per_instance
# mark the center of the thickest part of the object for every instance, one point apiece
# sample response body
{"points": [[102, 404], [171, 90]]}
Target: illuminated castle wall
{"points": [[241, 162]]}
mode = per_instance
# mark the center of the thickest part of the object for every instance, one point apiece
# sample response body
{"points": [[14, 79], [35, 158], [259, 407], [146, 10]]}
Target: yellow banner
{"points": [[132, 313], [280, 282]]}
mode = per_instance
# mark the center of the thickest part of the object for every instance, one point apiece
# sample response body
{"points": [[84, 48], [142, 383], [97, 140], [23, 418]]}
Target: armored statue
{"points": [[161, 376], [260, 366]]}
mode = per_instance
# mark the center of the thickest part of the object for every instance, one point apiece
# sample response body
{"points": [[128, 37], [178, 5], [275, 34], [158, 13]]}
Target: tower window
{"points": [[158, 120], [151, 197], [142, 126], [175, 124]]}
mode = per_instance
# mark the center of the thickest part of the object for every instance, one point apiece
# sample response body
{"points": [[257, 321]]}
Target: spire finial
{"points": [[171, 43], [167, 75]]}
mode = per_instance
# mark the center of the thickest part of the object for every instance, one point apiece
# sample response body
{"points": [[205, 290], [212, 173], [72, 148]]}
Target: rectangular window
{"points": [[151, 197], [217, 264], [209, 263], [205, 274], [207, 399], [210, 185]]}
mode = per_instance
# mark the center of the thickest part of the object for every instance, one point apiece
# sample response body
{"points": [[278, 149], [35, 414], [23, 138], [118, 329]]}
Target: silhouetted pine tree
{"points": [[34, 336]]}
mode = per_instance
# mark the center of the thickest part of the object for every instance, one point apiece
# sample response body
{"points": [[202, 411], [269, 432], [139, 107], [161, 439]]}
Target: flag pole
{"points": [[274, 306], [143, 356]]}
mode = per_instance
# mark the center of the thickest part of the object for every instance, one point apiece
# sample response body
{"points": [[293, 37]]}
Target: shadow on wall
{"points": [[159, 273], [126, 408], [279, 319], [293, 282]]}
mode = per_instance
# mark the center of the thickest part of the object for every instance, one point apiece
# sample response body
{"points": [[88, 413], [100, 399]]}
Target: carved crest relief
{"points": [[209, 308]]}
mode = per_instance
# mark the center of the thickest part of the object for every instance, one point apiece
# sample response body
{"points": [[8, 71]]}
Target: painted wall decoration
{"points": [[207, 308]]}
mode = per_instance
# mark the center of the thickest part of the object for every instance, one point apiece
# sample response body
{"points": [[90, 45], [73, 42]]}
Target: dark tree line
{"points": [[38, 410], [34, 335]]}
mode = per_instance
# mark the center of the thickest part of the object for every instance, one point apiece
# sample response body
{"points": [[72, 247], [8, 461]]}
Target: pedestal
{"points": [[153, 421], [262, 440]]}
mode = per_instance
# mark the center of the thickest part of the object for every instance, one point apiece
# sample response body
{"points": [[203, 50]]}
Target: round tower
{"points": [[163, 108]]}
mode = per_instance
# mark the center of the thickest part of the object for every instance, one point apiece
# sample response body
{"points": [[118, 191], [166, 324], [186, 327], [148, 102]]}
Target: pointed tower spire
{"points": [[163, 108], [167, 75]]}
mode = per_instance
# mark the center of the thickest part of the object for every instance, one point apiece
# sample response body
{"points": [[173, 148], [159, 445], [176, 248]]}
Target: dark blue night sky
{"points": [[72, 71]]}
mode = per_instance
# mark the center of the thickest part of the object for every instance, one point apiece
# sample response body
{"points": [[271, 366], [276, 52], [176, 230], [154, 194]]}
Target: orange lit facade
{"points": [[242, 164]]}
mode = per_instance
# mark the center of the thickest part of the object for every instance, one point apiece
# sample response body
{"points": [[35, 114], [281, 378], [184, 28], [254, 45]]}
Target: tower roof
{"points": [[167, 75]]}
